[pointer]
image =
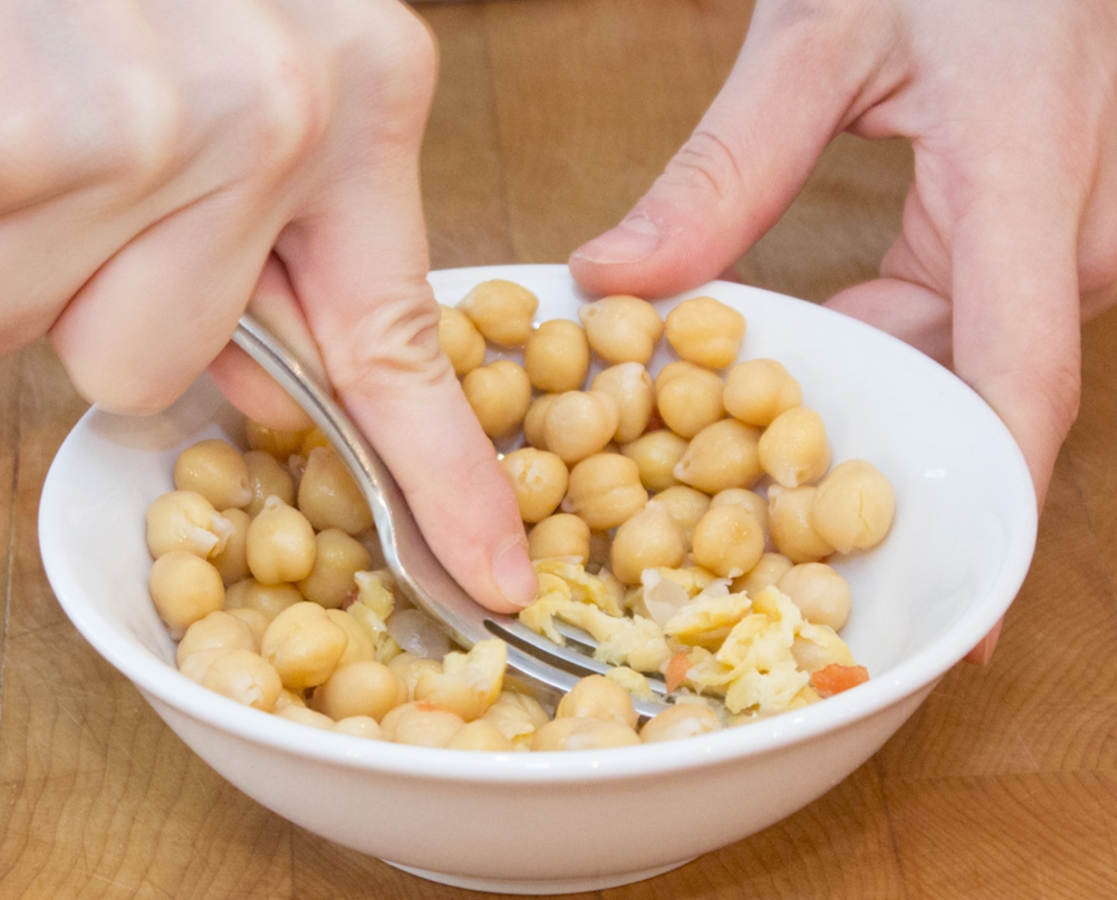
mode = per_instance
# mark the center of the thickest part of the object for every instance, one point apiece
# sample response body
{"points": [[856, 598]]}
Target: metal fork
{"points": [[417, 570]]}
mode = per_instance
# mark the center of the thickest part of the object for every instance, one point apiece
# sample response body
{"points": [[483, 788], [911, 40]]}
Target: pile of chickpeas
{"points": [[709, 463]]}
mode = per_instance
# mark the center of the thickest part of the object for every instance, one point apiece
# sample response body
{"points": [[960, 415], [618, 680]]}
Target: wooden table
{"points": [[552, 117]]}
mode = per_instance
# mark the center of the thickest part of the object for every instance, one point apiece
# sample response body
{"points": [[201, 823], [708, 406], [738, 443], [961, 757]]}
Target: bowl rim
{"points": [[921, 671]]}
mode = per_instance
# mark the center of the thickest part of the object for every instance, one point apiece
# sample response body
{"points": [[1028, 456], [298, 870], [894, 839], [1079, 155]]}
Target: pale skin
{"points": [[169, 162]]}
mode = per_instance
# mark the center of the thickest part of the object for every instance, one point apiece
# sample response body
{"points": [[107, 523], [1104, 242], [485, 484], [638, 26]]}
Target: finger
{"points": [[358, 263], [983, 652], [798, 81]]}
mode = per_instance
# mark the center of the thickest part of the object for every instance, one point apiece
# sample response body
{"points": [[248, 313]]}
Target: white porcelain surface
{"points": [[548, 823]]}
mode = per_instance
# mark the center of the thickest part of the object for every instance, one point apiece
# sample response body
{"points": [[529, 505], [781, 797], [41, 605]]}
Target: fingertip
{"points": [[514, 575], [983, 652]]}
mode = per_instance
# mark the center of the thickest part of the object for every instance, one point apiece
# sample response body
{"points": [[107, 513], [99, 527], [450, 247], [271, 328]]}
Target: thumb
{"points": [[798, 81]]}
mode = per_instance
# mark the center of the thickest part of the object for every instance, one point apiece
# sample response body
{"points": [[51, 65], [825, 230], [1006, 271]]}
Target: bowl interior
{"points": [[959, 549]]}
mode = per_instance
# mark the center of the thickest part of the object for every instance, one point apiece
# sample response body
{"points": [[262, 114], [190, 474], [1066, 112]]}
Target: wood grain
{"points": [[551, 118]]}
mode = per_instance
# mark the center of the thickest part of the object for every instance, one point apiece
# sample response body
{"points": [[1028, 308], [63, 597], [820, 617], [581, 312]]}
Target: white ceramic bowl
{"points": [[550, 823]]}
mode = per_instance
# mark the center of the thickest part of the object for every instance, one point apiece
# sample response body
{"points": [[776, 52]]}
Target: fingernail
{"points": [[634, 239], [514, 574]]}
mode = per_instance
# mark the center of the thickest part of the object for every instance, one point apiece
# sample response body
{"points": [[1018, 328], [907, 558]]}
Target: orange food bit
{"points": [[675, 673], [833, 679]]}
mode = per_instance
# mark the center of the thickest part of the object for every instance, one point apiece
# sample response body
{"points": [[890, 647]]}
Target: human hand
{"points": [[1009, 233], [166, 162]]}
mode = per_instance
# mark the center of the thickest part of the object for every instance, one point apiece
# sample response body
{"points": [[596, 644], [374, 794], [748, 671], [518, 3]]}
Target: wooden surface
{"points": [[552, 117]]}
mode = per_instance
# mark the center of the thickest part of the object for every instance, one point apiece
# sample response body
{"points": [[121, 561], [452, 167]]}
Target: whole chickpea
{"points": [[535, 418], [329, 497], [579, 733], [267, 477], [557, 356], [216, 470], [722, 455], [244, 676], [579, 424], [687, 506], [276, 443], [185, 520], [232, 562], [706, 331], [632, 389], [656, 454], [280, 545], [217, 629], [421, 724], [854, 506], [502, 311], [605, 490], [304, 645], [500, 394], [758, 390], [820, 592], [184, 588], [363, 688], [269, 599], [688, 397], [680, 721], [597, 697], [561, 536], [460, 340], [728, 540], [794, 449], [751, 500], [337, 559], [768, 570], [789, 524], [480, 734], [650, 539], [622, 328], [538, 480]]}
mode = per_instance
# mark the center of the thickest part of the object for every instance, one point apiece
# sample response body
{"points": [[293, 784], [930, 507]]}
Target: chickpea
{"points": [[789, 524], [680, 721], [557, 356], [362, 644], [304, 645], [410, 668], [535, 418], [633, 391], [244, 676], [280, 544], [758, 390], [267, 478], [288, 698], [232, 561], [650, 539], [185, 520], [518, 716], [360, 726], [686, 505], [538, 480], [502, 311], [765, 573], [256, 621], [460, 340], [421, 724], [656, 454], [622, 328], [583, 734], [579, 424], [469, 683], [722, 455], [820, 592], [312, 437], [196, 664], [500, 394], [706, 331], [215, 469], [854, 506], [794, 449], [276, 443], [596, 696], [329, 497], [216, 630], [688, 397], [337, 559], [365, 688], [561, 536], [728, 540], [305, 716], [268, 599], [605, 490], [480, 735], [751, 500], [184, 589]]}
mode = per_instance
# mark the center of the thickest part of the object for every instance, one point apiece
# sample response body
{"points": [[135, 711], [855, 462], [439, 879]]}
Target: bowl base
{"points": [[556, 886]]}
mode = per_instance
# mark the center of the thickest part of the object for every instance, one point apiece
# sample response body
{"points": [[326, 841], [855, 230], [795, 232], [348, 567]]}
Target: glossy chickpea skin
{"points": [[622, 328], [361, 645], [789, 524], [650, 539], [605, 490], [687, 506], [535, 418], [500, 394], [216, 470], [280, 544], [758, 390], [579, 424], [722, 455], [184, 588], [705, 331], [688, 397], [185, 520], [561, 536], [460, 340], [656, 454], [244, 676], [364, 688], [267, 478], [750, 500], [421, 724], [304, 645], [577, 733], [682, 720], [598, 697], [232, 561], [767, 571], [480, 735], [337, 559], [216, 630], [329, 497], [633, 390], [854, 506], [502, 311], [557, 356], [276, 443], [794, 449], [268, 599], [538, 479], [728, 540], [820, 592]]}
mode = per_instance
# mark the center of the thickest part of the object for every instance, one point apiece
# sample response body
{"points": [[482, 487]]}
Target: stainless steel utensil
{"points": [[419, 573]]}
